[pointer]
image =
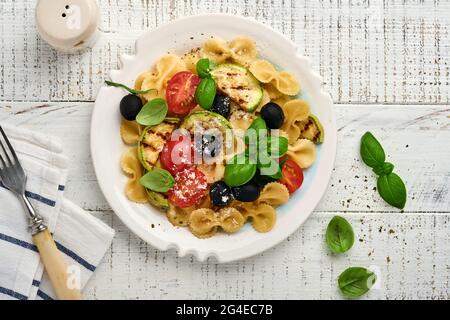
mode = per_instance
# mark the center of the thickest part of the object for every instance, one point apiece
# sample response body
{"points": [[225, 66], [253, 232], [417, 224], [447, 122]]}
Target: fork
{"points": [[14, 179]]}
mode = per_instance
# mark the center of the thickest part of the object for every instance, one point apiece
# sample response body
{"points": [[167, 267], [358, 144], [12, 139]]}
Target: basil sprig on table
{"points": [[390, 186], [153, 112], [356, 281], [158, 180], [132, 91], [339, 235]]}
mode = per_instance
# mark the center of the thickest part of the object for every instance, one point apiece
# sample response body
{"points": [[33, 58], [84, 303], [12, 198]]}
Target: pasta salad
{"points": [[217, 137]]}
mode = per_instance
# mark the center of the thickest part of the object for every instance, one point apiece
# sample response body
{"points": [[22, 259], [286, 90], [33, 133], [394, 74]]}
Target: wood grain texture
{"points": [[386, 65], [408, 252], [367, 51]]}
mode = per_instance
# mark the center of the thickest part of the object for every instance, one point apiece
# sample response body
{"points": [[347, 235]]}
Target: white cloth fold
{"points": [[81, 238]]}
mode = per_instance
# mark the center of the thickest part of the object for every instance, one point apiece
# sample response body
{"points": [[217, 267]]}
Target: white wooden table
{"points": [[386, 65]]}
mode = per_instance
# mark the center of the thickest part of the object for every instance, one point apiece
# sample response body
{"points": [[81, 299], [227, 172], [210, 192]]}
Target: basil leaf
{"points": [[339, 235], [384, 169], [269, 167], [158, 180], [238, 173], [278, 146], [392, 190], [153, 112], [203, 67], [205, 93], [133, 91], [257, 129], [372, 152], [356, 281]]}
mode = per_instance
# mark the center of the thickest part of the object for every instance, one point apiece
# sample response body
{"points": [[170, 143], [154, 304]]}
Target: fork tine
{"points": [[13, 153]]}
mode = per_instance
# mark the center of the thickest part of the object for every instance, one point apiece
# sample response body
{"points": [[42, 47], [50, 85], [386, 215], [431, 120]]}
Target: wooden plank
{"points": [[408, 252], [371, 52], [415, 139]]}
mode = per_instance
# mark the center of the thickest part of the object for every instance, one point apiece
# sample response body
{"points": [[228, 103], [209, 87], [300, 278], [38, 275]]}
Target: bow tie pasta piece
{"points": [[140, 79], [132, 167], [130, 131], [294, 111], [213, 172], [263, 215], [231, 220], [216, 49], [243, 50], [177, 216], [263, 70], [274, 194], [203, 223], [303, 152], [287, 84], [282, 82], [167, 66]]}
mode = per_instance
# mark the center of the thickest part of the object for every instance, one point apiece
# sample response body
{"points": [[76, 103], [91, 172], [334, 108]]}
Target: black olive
{"points": [[220, 194], [249, 192], [222, 105], [208, 145], [130, 106], [273, 115]]}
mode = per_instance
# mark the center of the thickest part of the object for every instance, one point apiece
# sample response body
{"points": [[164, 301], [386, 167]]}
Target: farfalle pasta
{"points": [[274, 194], [262, 215], [303, 152], [204, 223], [195, 123], [216, 49], [295, 111], [240, 50], [132, 167], [130, 131], [282, 81]]}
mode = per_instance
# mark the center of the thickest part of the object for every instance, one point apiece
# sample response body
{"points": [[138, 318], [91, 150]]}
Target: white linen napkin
{"points": [[81, 238]]}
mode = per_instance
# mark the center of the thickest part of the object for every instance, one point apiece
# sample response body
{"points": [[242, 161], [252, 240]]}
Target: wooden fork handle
{"points": [[56, 266]]}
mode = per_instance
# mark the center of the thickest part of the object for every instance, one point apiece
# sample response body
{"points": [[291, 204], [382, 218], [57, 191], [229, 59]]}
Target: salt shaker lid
{"points": [[67, 24]]}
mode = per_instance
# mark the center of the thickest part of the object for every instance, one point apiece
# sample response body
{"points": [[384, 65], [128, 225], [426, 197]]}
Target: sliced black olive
{"points": [[220, 194], [222, 105], [273, 115], [130, 105], [249, 192], [209, 145]]}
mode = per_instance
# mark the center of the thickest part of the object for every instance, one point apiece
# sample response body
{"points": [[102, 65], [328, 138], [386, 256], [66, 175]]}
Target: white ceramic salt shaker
{"points": [[68, 25]]}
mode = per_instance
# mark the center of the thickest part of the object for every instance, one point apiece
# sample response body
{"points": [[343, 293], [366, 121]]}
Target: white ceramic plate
{"points": [[107, 147]]}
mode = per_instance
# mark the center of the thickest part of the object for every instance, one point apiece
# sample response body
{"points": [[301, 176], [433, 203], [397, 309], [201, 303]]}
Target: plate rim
{"points": [[201, 256]]}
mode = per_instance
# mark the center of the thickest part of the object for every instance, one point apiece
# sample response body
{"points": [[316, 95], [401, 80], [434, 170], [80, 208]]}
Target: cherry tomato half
{"points": [[177, 154], [292, 175], [180, 93], [190, 187]]}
